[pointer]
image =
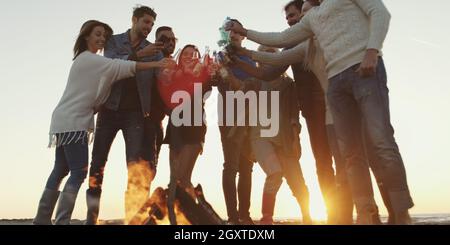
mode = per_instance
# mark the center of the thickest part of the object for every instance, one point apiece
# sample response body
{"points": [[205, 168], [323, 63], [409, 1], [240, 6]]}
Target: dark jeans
{"points": [[154, 135], [313, 110], [359, 104], [236, 154], [108, 124], [73, 158], [343, 198]]}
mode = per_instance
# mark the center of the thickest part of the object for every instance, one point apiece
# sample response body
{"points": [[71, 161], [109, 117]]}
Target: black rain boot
{"points": [[46, 206]]}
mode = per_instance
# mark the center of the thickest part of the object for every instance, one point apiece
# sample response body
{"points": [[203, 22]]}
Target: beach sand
{"points": [[430, 219]]}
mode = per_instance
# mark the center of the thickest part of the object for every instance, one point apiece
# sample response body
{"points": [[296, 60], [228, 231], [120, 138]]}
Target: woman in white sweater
{"points": [[88, 85]]}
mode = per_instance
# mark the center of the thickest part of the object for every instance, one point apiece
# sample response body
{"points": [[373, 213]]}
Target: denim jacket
{"points": [[119, 47]]}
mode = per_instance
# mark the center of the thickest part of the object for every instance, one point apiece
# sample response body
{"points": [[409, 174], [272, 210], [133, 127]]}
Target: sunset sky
{"points": [[36, 50]]}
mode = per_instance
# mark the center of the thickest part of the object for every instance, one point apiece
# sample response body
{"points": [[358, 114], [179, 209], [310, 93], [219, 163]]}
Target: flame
{"points": [[181, 218], [140, 176], [154, 211]]}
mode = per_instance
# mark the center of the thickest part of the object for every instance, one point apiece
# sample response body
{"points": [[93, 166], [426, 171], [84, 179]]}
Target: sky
{"points": [[36, 51]]}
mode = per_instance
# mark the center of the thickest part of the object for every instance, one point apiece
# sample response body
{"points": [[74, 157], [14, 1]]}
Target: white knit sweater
{"points": [[345, 29], [88, 86]]}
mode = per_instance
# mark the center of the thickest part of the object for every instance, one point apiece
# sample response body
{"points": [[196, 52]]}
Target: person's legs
{"points": [[60, 170], [51, 192], [140, 173], [174, 176], [373, 100], [152, 142], [377, 172], [314, 114], [347, 121], [230, 169], [105, 132], [182, 161], [343, 197], [293, 174], [245, 184], [267, 158], [77, 157], [188, 156]]}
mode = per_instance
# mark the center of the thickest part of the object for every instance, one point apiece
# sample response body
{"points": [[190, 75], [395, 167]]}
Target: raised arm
{"points": [[285, 39], [262, 73], [164, 63], [284, 58]]}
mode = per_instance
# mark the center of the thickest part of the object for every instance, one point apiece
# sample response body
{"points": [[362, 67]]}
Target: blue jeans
{"points": [[362, 103], [73, 158]]}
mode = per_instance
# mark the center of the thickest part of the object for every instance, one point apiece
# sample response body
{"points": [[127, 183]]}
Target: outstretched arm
{"points": [[164, 63], [284, 58], [262, 73], [285, 39]]}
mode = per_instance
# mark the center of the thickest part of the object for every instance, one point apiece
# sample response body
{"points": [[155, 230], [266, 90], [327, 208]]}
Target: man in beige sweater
{"points": [[351, 34]]}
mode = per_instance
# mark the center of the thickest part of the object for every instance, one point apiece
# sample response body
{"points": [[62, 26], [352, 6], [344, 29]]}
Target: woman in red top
{"points": [[185, 141]]}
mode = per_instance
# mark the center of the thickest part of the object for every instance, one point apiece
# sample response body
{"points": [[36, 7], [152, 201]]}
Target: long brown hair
{"points": [[86, 29], [180, 65]]}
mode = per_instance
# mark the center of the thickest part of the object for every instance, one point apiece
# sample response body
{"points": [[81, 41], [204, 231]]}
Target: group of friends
{"points": [[339, 87]]}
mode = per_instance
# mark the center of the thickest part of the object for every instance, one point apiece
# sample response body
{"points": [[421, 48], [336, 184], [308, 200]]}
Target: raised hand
{"points": [[151, 49], [234, 26]]}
